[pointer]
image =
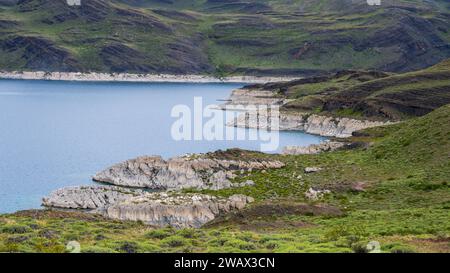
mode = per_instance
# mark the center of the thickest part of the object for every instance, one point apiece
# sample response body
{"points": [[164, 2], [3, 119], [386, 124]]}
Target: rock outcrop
{"points": [[242, 98], [158, 209], [179, 211], [313, 169], [327, 146], [309, 123], [188, 172], [88, 197], [315, 195]]}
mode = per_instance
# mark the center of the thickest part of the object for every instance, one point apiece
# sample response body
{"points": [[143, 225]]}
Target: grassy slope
{"points": [[370, 94], [405, 205], [285, 37]]}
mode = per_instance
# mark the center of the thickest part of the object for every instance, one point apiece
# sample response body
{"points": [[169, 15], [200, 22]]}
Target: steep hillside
{"points": [[98, 36], [271, 37]]}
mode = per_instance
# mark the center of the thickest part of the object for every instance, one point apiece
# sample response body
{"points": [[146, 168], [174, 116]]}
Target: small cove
{"points": [[55, 133]]}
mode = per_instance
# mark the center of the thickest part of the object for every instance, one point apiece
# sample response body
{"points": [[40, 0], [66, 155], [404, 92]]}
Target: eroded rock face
{"points": [[179, 211], [242, 98], [88, 197], [326, 146], [153, 208], [312, 124], [179, 173]]}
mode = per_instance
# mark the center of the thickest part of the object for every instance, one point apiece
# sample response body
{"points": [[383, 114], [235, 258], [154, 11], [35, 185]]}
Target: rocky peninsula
{"points": [[198, 172], [323, 125], [128, 197]]}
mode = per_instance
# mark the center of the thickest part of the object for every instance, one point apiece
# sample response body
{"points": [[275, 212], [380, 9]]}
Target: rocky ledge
{"points": [[187, 172], [309, 123], [159, 209], [241, 98], [326, 146], [88, 197]]}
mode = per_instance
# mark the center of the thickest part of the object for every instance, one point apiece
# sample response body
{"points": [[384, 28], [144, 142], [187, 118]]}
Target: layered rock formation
{"points": [[179, 211], [309, 123], [156, 209], [196, 172], [241, 98], [88, 197], [128, 199]]}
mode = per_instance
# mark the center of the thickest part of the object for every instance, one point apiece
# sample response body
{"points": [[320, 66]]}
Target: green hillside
{"points": [[222, 37], [369, 94]]}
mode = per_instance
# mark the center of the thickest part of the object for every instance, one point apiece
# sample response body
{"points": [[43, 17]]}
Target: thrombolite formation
{"points": [[195, 172], [160, 209]]}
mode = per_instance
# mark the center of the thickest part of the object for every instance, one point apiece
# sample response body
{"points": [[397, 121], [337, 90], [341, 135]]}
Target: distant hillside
{"points": [[368, 93], [275, 37]]}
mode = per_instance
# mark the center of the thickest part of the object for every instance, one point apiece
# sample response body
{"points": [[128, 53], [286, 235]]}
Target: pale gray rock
{"points": [[315, 195], [88, 197], [312, 124], [159, 209], [326, 146], [312, 169], [175, 210], [188, 172], [241, 99]]}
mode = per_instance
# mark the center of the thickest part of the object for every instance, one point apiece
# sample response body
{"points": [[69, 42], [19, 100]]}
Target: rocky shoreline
{"points": [[198, 172], [159, 209], [144, 78], [128, 196], [315, 124], [309, 123]]}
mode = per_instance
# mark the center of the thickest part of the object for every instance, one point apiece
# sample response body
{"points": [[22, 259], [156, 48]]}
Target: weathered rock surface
{"points": [[156, 209], [88, 197], [242, 98], [326, 146], [312, 124], [315, 195], [197, 172], [312, 169], [179, 211]]}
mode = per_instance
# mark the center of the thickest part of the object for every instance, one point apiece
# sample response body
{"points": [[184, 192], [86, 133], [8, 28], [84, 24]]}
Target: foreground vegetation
{"points": [[394, 190]]}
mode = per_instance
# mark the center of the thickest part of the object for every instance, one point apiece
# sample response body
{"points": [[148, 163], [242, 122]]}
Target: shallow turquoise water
{"points": [[56, 134]]}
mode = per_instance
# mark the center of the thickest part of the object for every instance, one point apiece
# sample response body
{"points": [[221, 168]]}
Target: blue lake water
{"points": [[56, 134]]}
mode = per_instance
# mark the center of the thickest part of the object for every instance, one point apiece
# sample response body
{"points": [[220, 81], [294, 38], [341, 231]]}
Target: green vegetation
{"points": [[369, 94], [217, 37], [402, 200]]}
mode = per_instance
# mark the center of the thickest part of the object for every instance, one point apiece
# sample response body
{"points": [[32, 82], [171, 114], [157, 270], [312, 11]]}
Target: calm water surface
{"points": [[56, 134]]}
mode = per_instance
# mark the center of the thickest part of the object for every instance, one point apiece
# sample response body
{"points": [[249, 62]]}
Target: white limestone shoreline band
{"points": [[144, 78]]}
